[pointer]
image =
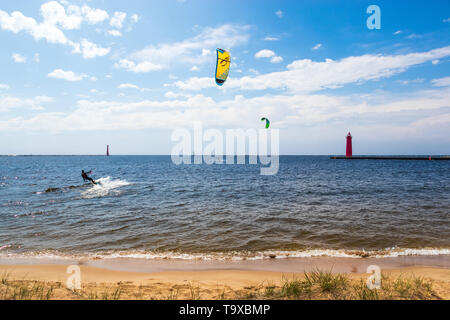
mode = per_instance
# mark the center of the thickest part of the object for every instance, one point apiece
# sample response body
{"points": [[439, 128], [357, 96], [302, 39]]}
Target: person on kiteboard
{"points": [[85, 176]]}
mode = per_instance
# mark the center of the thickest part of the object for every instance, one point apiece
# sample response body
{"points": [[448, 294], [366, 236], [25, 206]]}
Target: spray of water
{"points": [[104, 187]]}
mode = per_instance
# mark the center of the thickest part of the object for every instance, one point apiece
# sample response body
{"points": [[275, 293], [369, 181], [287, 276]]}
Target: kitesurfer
{"points": [[85, 176]]}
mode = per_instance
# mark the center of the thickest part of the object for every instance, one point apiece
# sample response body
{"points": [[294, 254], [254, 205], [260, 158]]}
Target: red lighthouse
{"points": [[348, 151]]}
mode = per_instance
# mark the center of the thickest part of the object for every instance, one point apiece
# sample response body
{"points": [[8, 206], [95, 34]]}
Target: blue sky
{"points": [[77, 75]]}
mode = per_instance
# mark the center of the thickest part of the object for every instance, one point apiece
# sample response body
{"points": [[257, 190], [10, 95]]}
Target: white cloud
{"points": [[115, 33], [194, 68], [139, 67], [397, 32], [37, 58], [265, 53], [414, 36], [94, 16], [317, 46], [196, 83], [54, 15], [17, 22], [128, 86], [405, 82], [8, 102], [315, 76], [206, 52], [271, 39], [18, 58], [4, 86], [66, 75], [171, 95], [435, 61], [118, 19], [276, 59], [91, 50], [442, 82], [279, 14], [290, 110], [135, 18], [195, 50]]}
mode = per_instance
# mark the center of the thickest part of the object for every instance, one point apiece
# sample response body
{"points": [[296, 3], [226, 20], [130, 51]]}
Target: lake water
{"points": [[147, 207]]}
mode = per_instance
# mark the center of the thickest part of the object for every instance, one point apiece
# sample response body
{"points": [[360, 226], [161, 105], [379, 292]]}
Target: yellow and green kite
{"points": [[222, 66]]}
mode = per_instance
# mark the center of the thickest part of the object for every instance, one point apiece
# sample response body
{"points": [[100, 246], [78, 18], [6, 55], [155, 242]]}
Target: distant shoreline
{"points": [[168, 155]]}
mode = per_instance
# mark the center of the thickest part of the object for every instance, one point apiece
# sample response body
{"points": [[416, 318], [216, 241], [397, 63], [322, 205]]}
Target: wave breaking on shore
{"points": [[9, 252]]}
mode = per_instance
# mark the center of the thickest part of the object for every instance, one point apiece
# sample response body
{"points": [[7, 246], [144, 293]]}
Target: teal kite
{"points": [[267, 122]]}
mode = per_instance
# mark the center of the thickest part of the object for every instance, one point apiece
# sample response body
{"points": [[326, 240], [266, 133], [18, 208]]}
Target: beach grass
{"points": [[325, 285], [317, 285]]}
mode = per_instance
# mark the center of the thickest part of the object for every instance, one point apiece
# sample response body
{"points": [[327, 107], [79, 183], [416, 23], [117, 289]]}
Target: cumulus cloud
{"points": [[8, 102], [442, 82], [94, 16], [306, 75], [18, 58], [195, 50], [17, 22], [266, 53], [276, 59], [135, 18], [66, 75], [91, 50], [115, 33], [128, 86], [239, 111], [118, 19], [144, 66], [55, 16]]}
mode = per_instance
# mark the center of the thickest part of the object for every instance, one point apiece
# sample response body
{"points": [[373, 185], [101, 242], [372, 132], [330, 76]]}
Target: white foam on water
{"points": [[104, 187], [273, 254], [229, 256]]}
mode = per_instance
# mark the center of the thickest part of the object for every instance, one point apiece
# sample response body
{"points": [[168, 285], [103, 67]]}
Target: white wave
{"points": [[229, 256], [105, 186], [273, 254]]}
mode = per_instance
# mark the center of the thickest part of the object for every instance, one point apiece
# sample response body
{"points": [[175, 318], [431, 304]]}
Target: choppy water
{"points": [[147, 207]]}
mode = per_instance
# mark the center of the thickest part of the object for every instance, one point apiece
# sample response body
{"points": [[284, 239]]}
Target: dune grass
{"points": [[323, 285], [329, 286]]}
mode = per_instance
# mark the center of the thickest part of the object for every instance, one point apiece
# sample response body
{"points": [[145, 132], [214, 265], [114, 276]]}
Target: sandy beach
{"points": [[219, 283]]}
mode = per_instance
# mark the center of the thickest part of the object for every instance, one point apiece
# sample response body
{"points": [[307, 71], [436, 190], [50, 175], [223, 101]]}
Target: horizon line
{"points": [[224, 155]]}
